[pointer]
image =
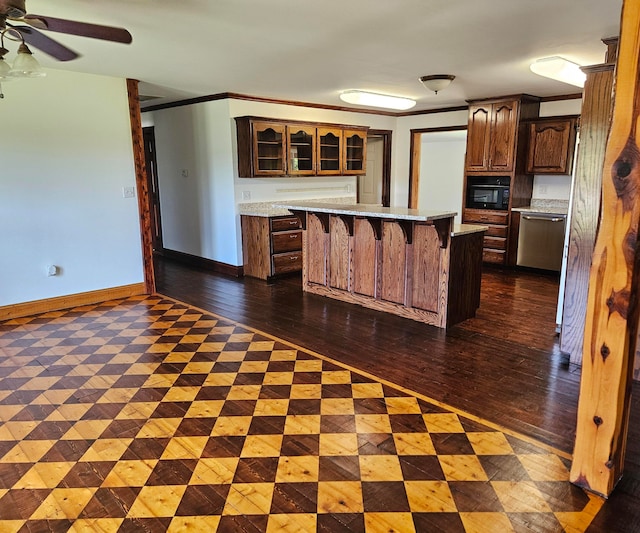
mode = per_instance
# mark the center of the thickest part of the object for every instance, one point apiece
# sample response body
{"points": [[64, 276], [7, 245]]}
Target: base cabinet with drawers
{"points": [[271, 246], [494, 247]]}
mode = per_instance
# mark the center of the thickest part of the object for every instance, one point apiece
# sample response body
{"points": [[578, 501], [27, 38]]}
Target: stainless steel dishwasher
{"points": [[541, 240]]}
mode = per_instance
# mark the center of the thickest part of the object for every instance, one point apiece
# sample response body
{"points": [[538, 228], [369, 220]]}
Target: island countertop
{"points": [[367, 210]]}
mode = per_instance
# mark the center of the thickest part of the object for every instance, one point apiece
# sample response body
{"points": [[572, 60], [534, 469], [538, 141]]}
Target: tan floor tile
{"points": [[44, 476], [86, 429], [306, 392], [544, 467], [244, 392], [261, 346], [291, 523], [308, 365], [220, 379], [100, 382], [338, 444], [231, 356], [204, 409], [577, 522], [119, 395], [197, 368], [143, 369], [443, 423], [58, 397], [388, 522], [137, 410], [106, 450], [520, 497], [241, 337], [179, 357], [211, 347], [429, 497], [262, 446], [336, 377], [96, 525], [130, 473], [337, 406], [214, 471], [284, 355], [380, 468], [462, 468], [17, 430], [157, 501], [181, 394], [486, 523], [278, 407], [28, 451], [490, 443], [367, 390], [249, 499], [63, 503], [194, 524], [42, 383], [254, 366], [377, 423], [302, 425], [278, 378], [403, 405], [340, 497], [184, 448], [298, 469], [159, 428], [7, 413], [413, 444], [160, 381], [231, 425]]}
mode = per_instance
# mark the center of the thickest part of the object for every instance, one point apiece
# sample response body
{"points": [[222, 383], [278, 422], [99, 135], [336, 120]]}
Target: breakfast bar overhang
{"points": [[412, 263]]}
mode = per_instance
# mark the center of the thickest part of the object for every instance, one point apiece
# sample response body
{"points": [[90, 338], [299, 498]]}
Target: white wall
{"points": [[66, 155]]}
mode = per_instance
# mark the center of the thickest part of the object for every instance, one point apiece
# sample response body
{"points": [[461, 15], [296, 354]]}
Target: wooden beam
{"points": [[611, 326], [141, 185]]}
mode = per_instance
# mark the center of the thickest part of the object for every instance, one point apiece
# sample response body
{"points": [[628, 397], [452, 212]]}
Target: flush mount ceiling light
{"points": [[376, 100], [437, 82], [560, 69]]}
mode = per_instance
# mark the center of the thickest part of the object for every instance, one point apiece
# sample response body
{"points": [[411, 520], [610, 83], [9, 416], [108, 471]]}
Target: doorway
{"points": [[374, 187], [148, 136], [436, 177]]}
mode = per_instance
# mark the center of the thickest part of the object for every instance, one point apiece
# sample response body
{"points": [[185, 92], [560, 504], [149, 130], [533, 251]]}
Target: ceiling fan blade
{"points": [[84, 29], [40, 41]]}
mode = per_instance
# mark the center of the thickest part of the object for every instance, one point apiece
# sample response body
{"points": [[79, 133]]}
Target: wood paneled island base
{"points": [[411, 263]]}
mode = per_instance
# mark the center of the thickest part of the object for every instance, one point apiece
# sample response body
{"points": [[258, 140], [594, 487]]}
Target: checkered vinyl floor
{"points": [[147, 414]]}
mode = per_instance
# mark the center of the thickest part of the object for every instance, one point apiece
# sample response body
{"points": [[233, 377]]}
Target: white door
{"points": [[370, 185]]}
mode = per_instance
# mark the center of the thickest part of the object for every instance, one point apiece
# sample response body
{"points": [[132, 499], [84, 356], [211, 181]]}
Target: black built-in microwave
{"points": [[488, 192]]}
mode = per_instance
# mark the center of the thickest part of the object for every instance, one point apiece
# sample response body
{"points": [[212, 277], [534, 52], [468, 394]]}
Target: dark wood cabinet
{"points": [[272, 148], [496, 147], [271, 246], [551, 146], [491, 136]]}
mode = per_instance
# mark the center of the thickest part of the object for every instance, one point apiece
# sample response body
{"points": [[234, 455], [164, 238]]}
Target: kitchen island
{"points": [[412, 263]]}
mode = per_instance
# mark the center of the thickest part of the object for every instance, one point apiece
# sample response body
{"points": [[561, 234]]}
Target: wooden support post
{"points": [[612, 308], [141, 185]]}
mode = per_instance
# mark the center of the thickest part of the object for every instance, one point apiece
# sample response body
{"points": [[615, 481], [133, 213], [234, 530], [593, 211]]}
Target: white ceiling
{"points": [[310, 51]]}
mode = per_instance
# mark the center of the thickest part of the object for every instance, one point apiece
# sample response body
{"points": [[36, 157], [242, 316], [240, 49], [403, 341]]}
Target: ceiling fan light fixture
{"points": [[559, 69], [4, 70], [25, 65], [437, 82], [386, 101]]}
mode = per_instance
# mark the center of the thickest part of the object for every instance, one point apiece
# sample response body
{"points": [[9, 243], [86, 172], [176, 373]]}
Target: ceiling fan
{"points": [[15, 11]]}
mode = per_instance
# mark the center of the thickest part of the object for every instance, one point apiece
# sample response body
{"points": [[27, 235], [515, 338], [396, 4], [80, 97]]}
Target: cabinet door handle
{"points": [[293, 236], [293, 258], [293, 222]]}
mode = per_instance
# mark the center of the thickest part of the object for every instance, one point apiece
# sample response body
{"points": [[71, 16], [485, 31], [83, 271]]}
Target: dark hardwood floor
{"points": [[504, 365]]}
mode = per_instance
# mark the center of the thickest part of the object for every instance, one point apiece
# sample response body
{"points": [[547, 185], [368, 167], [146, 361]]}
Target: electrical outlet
{"points": [[128, 192], [184, 173], [246, 195], [542, 189]]}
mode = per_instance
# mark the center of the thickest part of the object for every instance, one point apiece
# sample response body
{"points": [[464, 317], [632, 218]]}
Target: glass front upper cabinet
{"points": [[330, 148], [269, 149], [355, 152], [302, 150]]}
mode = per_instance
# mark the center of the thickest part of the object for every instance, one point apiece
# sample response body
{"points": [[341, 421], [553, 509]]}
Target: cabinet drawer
{"points": [[493, 256], [283, 263], [486, 217], [498, 243], [496, 231], [283, 224], [286, 241]]}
